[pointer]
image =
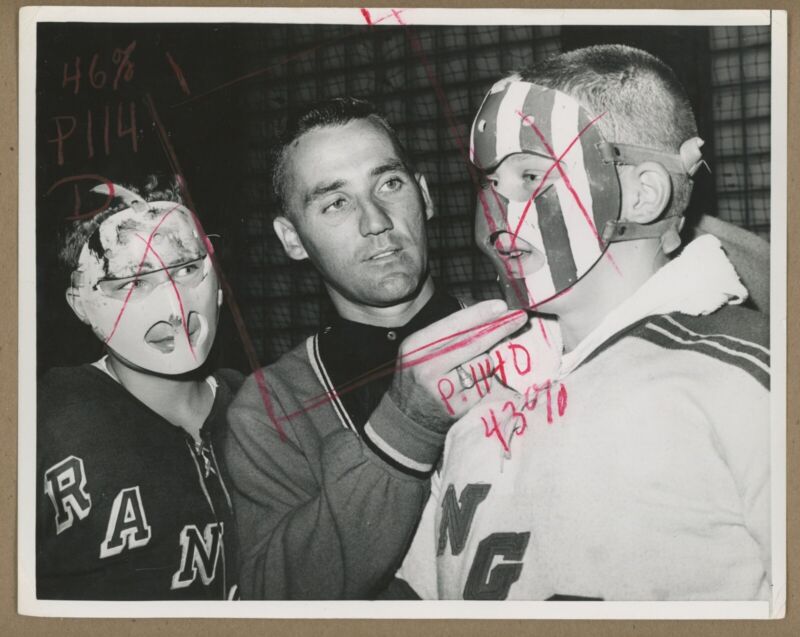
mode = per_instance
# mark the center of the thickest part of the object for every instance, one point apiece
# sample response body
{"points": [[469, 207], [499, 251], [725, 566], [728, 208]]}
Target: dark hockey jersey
{"points": [[129, 507]]}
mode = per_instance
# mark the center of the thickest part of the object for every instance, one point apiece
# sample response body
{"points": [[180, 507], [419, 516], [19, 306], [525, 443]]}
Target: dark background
{"points": [[242, 80]]}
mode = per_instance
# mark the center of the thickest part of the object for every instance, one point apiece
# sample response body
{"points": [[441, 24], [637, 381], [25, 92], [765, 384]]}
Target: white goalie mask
{"points": [[146, 285]]}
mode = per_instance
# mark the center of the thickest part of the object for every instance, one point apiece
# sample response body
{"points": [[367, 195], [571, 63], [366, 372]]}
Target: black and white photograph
{"points": [[321, 307]]}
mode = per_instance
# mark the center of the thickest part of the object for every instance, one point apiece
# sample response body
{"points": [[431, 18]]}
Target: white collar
{"points": [[699, 281]]}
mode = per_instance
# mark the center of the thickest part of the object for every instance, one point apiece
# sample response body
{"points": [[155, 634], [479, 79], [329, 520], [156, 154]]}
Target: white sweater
{"points": [[644, 476]]}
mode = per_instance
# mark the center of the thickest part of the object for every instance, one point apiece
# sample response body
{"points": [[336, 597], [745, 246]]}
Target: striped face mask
{"points": [[551, 203]]}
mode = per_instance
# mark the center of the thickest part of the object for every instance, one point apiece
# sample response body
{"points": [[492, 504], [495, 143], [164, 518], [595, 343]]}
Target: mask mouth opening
{"points": [[519, 256], [161, 336]]}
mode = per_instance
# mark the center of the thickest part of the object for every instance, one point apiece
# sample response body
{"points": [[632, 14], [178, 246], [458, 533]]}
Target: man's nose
{"points": [[374, 218]]}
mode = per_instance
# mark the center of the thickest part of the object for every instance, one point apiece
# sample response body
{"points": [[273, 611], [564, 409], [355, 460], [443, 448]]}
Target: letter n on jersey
{"points": [[457, 516], [198, 554]]}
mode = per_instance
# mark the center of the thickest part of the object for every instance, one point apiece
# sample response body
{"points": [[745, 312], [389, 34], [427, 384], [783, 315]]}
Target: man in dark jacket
{"points": [[332, 446]]}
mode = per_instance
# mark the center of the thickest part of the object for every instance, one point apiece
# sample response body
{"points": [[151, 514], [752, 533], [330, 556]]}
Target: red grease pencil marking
{"points": [[233, 306], [138, 272], [178, 74], [280, 63], [416, 45], [122, 58], [517, 283], [406, 361], [184, 320], [391, 366], [528, 120], [556, 164], [87, 176]]}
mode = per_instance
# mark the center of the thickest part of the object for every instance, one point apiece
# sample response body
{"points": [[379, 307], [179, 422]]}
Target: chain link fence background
{"points": [[429, 83]]}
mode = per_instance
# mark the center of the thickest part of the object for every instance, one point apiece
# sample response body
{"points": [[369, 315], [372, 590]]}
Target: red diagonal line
{"points": [[268, 69], [389, 366], [445, 105], [138, 272], [515, 234], [450, 118], [493, 228], [184, 322], [233, 306], [405, 361], [557, 165], [568, 184]]}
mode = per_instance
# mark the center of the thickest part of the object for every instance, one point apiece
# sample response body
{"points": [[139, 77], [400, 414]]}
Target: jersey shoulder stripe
{"points": [[314, 358], [710, 338]]}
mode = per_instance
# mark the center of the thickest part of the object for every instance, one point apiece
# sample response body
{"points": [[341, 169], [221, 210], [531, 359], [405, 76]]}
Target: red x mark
{"points": [[556, 163], [177, 294], [139, 270]]}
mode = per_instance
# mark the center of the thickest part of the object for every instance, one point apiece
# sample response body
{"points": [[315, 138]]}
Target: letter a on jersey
{"points": [[65, 485], [127, 524], [199, 554]]}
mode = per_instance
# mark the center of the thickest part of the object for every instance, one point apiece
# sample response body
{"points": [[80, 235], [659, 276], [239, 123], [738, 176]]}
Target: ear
{"points": [[75, 302], [289, 238], [646, 192], [426, 196]]}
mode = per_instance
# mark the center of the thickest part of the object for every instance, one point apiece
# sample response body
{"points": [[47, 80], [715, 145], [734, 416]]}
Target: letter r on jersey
{"points": [[65, 485], [198, 554], [457, 516]]}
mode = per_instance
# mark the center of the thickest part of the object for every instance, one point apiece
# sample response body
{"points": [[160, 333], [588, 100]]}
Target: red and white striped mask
{"points": [[542, 226]]}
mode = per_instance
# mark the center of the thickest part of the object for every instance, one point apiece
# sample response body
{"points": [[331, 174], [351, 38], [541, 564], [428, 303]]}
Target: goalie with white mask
{"points": [[146, 285], [132, 499]]}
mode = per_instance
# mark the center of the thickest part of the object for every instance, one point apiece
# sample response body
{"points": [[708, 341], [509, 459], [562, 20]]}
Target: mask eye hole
{"points": [[482, 126], [489, 183]]}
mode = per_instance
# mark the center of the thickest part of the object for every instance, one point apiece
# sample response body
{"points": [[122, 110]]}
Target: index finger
{"points": [[470, 318], [464, 335]]}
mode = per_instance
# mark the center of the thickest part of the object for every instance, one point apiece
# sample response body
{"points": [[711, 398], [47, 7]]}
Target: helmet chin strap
{"points": [[686, 162], [616, 231]]}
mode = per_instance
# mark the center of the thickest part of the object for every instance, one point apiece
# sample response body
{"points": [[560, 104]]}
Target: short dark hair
{"points": [[337, 111], [644, 102], [77, 233]]}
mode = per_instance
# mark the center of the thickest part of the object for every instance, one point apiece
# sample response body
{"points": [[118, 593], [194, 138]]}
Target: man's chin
{"points": [[395, 288]]}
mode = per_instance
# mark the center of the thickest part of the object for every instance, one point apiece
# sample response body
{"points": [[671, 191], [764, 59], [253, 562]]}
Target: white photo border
{"points": [[28, 604]]}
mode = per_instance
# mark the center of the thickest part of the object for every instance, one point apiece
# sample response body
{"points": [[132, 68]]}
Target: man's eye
{"points": [[392, 184], [335, 206]]}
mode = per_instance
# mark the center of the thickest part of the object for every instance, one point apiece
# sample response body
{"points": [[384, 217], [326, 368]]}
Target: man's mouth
{"points": [[384, 254]]}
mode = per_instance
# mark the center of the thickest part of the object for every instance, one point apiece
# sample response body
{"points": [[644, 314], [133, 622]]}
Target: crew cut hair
{"points": [[337, 111], [642, 101]]}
